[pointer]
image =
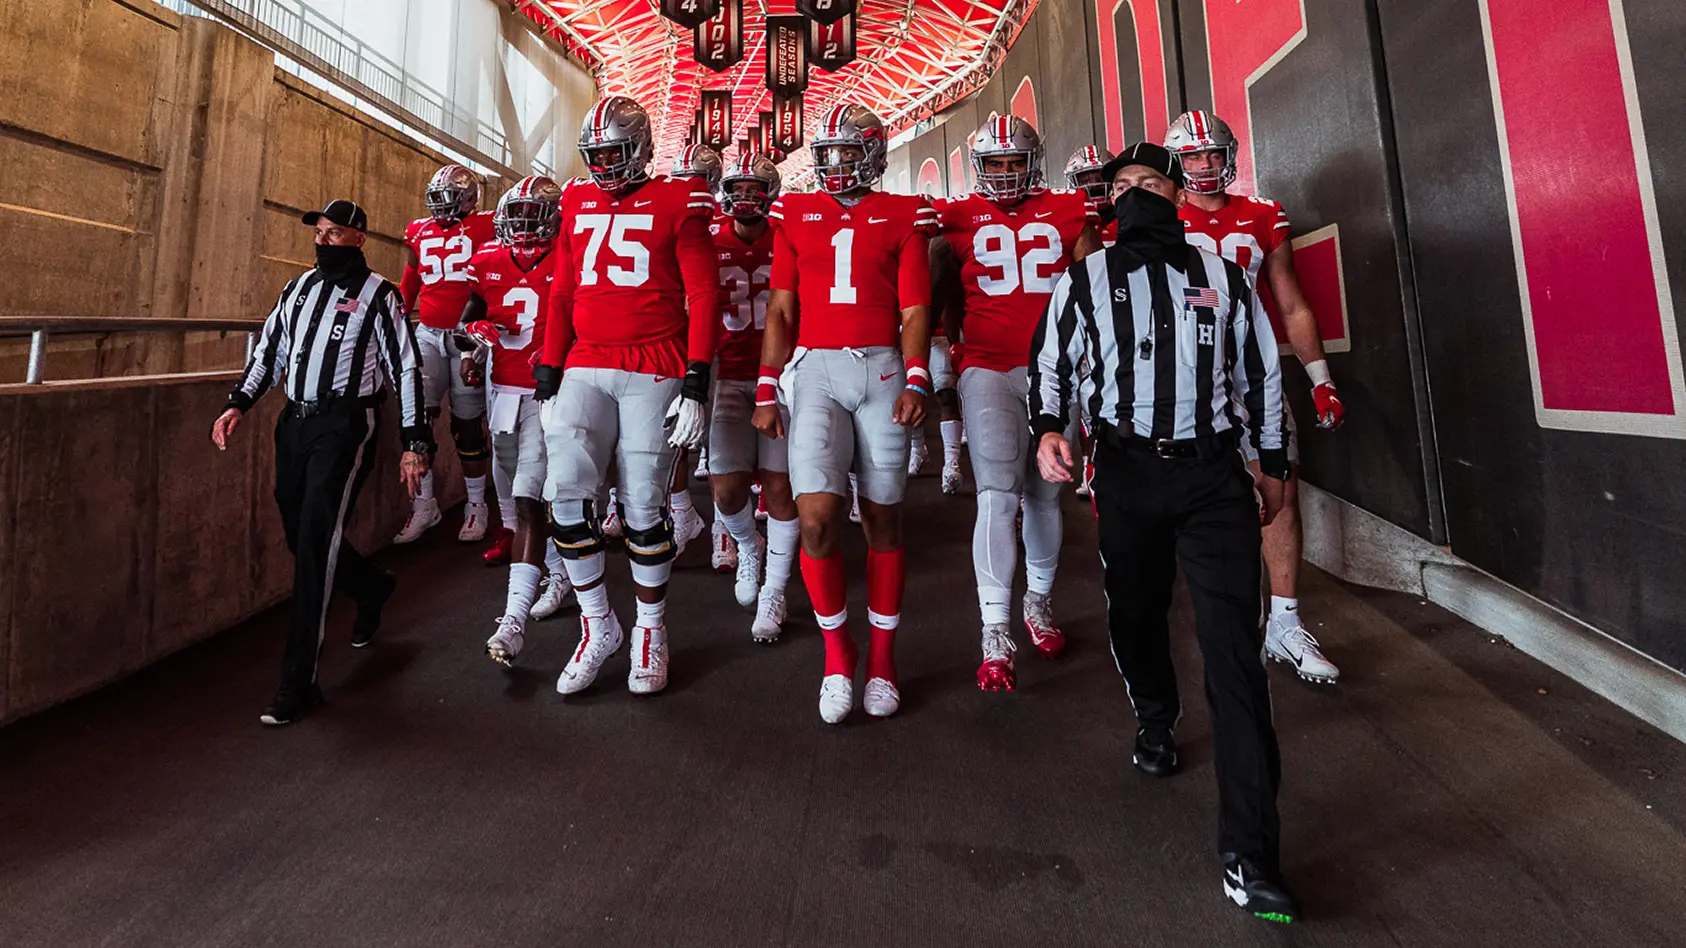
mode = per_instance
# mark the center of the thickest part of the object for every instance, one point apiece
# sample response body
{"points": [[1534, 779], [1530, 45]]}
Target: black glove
{"points": [[546, 380], [695, 386]]}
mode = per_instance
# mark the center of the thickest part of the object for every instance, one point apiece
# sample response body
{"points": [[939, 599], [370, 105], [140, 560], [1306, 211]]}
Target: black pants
{"points": [[320, 465], [1155, 513]]}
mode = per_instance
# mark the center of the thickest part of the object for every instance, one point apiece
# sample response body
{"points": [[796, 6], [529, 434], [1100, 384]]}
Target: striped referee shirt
{"points": [[325, 341], [1177, 349]]}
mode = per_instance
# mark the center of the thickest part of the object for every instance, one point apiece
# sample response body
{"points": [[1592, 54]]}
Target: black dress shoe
{"points": [[1156, 752], [1253, 887], [369, 609], [290, 704]]}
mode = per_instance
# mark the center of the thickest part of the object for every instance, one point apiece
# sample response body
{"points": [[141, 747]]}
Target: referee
{"points": [[1181, 357], [322, 344]]}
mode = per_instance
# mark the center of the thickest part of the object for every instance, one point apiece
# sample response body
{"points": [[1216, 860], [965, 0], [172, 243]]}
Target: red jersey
{"points": [[1009, 260], [1243, 231], [517, 301], [636, 287], [1109, 232], [853, 269], [745, 269], [436, 290]]}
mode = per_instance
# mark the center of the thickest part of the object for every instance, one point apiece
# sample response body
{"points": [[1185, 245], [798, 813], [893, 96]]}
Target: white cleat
{"points": [[556, 593], [612, 524], [1288, 642], [837, 698], [686, 527], [997, 673], [748, 586], [424, 514], [951, 478], [505, 644], [723, 555], [475, 518], [600, 637], [769, 618], [917, 455], [881, 698], [649, 660]]}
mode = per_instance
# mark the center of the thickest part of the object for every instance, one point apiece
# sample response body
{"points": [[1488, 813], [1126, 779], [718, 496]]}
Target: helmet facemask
{"points": [[528, 224], [841, 167], [1209, 180], [1007, 187], [745, 199], [449, 203], [613, 165]]}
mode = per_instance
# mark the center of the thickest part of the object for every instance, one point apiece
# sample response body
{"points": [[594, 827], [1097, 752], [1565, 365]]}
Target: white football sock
{"points": [[918, 435], [740, 525], [476, 489], [952, 431], [523, 590], [995, 551], [996, 604], [426, 492], [1043, 532], [680, 502], [652, 615], [554, 562], [782, 538], [1283, 608], [594, 602], [506, 512]]}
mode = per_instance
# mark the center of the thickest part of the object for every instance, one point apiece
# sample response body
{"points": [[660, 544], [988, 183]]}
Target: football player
{"points": [[1253, 233], [1083, 173], [1007, 243], [738, 455], [435, 288], [702, 163], [628, 350], [855, 261], [509, 287]]}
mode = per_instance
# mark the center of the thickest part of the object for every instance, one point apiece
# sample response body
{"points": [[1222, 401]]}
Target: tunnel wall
{"points": [[164, 161], [1498, 313]]}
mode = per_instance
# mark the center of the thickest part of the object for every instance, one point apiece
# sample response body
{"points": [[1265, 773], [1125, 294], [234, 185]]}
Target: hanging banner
{"points": [[754, 141], [696, 128], [689, 13], [825, 11], [718, 42], [787, 54], [832, 46], [717, 118], [777, 156], [787, 123], [764, 122]]}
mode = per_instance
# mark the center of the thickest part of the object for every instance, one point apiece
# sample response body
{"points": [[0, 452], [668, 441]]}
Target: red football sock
{"points": [[828, 591], [886, 577]]}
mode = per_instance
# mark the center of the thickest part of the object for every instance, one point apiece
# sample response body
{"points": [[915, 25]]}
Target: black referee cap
{"points": [[343, 213], [1148, 155]]}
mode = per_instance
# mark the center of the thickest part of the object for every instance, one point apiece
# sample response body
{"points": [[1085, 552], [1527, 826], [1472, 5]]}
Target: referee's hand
{"points": [[411, 467], [224, 427], [1053, 458]]}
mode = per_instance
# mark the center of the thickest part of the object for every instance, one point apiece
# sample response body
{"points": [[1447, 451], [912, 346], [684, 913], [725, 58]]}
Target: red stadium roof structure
{"points": [[914, 58]]}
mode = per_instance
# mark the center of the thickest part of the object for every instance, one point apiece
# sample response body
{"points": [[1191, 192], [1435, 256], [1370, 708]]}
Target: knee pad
{"points": [[576, 531], [470, 436], [648, 543]]}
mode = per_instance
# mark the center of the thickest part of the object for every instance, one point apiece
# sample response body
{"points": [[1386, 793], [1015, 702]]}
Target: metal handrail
{"points": [[38, 327]]}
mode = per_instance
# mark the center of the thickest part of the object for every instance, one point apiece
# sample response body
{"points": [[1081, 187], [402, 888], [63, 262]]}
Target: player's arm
{"points": [[948, 300], [409, 285], [559, 320], [1300, 324], [482, 333], [1088, 242], [1055, 349], [913, 281], [700, 273], [778, 337]]}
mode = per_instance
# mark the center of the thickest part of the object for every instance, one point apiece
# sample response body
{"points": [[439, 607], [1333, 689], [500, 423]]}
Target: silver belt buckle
{"points": [[1165, 449]]}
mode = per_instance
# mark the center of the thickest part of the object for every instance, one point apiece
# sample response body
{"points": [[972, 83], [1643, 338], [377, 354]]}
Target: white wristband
{"points": [[1319, 373]]}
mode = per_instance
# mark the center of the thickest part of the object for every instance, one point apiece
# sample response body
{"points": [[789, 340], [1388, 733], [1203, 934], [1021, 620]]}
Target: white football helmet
{"points": [[616, 144], [749, 167], [1083, 173], [453, 193], [1199, 131], [529, 214], [699, 161], [1007, 136], [844, 129]]}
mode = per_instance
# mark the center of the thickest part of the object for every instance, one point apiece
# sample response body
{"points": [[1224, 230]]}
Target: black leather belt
{"points": [[323, 406], [1222, 443]]}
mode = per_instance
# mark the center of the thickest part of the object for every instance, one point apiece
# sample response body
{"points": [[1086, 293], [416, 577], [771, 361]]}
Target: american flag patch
{"points": [[1200, 296], [348, 305]]}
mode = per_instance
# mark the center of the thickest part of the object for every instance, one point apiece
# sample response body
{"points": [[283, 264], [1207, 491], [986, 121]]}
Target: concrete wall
{"points": [[171, 542], [157, 166]]}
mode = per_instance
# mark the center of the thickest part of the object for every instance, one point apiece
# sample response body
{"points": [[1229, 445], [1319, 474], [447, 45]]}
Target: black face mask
{"points": [[340, 262], [1148, 224]]}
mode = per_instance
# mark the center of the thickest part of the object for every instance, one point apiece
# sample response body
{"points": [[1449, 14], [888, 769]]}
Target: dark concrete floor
{"points": [[1449, 792]]}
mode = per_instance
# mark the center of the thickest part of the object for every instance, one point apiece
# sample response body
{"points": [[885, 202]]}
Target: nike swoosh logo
{"points": [[639, 203], [886, 378], [1045, 214], [877, 220], [1235, 877], [1242, 223]]}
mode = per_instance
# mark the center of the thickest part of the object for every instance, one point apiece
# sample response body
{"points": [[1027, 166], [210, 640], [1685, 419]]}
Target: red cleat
{"points": [[498, 553], [996, 675], [1047, 639]]}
